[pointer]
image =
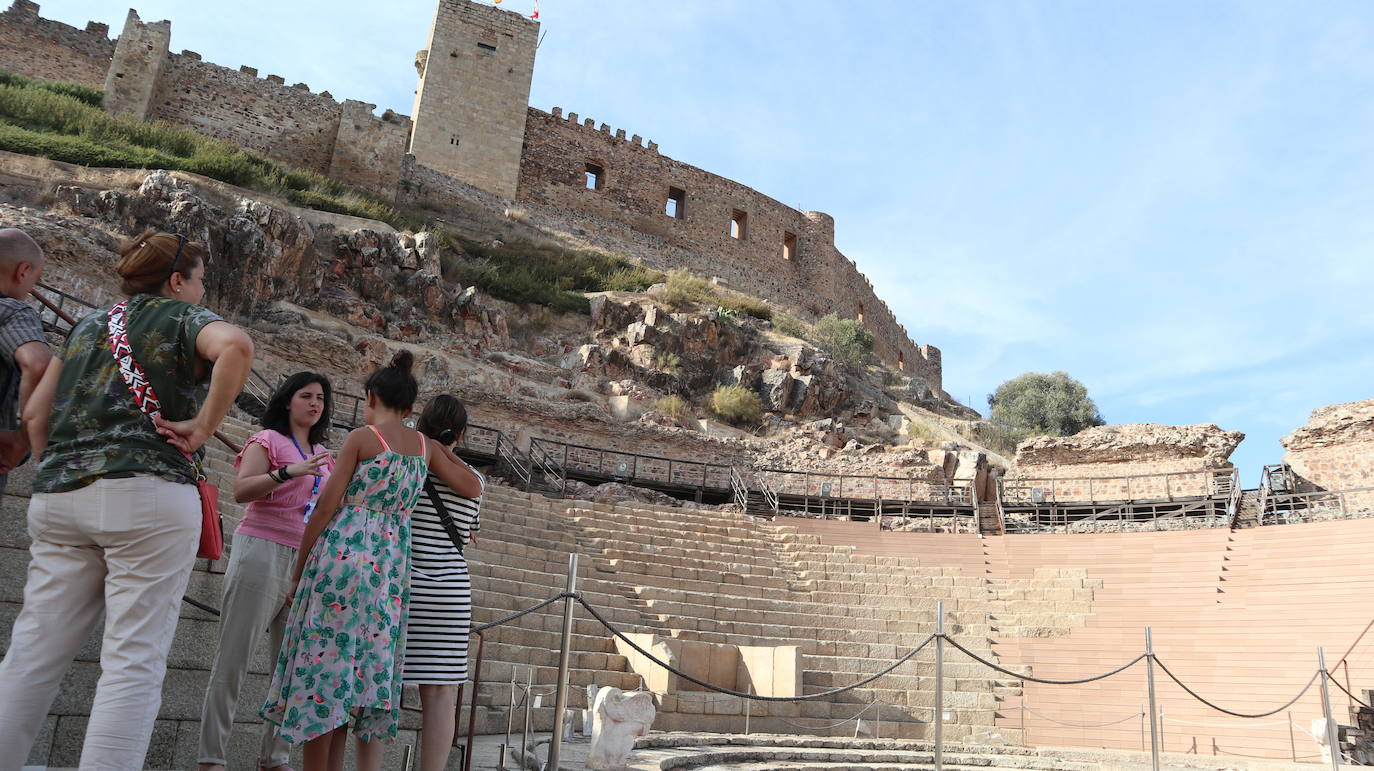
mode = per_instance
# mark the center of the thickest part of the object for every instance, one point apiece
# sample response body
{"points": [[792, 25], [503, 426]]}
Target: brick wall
{"points": [[1338, 467], [40, 48], [634, 188]]}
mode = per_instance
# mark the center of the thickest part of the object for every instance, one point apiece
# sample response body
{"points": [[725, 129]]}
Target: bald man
{"points": [[24, 353]]}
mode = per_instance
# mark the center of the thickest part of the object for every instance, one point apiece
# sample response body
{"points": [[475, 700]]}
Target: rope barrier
{"points": [[857, 715], [1019, 676], [1136, 716], [753, 696], [189, 600], [1226, 725], [1357, 699], [519, 613], [1233, 713]]}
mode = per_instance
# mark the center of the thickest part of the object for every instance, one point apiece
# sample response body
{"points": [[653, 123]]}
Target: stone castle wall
{"points": [[473, 91], [785, 256], [41, 48], [474, 124]]}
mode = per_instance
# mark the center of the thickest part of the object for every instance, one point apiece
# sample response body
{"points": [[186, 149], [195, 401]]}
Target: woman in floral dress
{"points": [[340, 661]]}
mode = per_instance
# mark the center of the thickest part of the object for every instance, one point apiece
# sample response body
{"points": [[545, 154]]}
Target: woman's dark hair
{"points": [[443, 420], [277, 416], [147, 261], [393, 384]]}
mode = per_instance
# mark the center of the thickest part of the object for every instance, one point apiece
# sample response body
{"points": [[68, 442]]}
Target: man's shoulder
{"points": [[16, 310]]}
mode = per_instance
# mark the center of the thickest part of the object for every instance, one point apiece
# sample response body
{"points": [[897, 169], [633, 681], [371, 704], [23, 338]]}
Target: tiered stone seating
{"points": [[726, 578], [1236, 615]]}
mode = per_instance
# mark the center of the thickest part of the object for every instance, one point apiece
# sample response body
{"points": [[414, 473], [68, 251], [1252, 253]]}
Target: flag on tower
{"points": [[535, 15]]}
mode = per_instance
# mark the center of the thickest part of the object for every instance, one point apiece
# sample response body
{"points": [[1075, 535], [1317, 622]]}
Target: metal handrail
{"points": [[1217, 482]]}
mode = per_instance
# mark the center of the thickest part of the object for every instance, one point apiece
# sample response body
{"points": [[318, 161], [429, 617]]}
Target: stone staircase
{"points": [[767, 753]]}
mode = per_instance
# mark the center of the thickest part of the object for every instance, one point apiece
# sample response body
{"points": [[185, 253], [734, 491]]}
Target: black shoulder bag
{"points": [[445, 518]]}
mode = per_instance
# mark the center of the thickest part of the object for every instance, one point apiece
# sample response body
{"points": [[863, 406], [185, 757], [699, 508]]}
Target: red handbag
{"points": [[211, 524]]}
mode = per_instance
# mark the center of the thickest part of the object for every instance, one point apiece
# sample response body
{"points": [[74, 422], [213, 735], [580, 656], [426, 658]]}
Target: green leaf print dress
{"points": [[345, 636]]}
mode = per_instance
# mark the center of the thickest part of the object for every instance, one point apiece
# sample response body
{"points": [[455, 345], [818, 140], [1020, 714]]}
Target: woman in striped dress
{"points": [[436, 657]]}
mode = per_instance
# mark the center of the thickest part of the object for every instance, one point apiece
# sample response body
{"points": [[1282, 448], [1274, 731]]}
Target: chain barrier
{"points": [[1230, 712]]}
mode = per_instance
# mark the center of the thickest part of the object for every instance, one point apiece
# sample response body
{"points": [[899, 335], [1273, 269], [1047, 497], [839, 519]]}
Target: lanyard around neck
{"points": [[315, 488]]}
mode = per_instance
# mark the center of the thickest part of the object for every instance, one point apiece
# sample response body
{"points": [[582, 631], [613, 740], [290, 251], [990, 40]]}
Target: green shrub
{"points": [[749, 306], [736, 405], [685, 290], [847, 340], [1036, 403], [668, 362], [920, 432], [998, 437], [546, 273], [672, 405], [789, 325], [92, 96], [63, 121]]}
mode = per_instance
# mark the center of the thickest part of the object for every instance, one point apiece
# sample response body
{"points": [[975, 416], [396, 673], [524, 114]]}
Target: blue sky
{"points": [[1169, 200]]}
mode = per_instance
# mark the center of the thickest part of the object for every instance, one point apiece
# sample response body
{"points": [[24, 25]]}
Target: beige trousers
{"points": [[255, 587], [124, 546]]}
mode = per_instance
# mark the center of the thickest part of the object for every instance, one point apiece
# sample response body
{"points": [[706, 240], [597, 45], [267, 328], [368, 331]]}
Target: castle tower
{"points": [[139, 57], [474, 91]]}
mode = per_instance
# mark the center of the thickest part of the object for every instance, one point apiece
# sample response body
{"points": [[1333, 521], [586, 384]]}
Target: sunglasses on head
{"points": [[181, 245]]}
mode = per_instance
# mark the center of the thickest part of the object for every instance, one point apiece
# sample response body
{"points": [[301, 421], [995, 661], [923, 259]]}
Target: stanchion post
{"points": [[1292, 744], [939, 686], [1332, 735], [746, 711], [560, 702], [1154, 709], [1142, 727]]}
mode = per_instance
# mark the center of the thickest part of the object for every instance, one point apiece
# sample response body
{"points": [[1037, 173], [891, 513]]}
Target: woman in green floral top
{"points": [[115, 516]]}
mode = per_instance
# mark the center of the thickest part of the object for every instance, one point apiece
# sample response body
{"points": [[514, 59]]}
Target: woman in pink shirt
{"points": [[280, 474]]}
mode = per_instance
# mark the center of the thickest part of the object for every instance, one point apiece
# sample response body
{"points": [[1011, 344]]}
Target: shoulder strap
{"points": [[130, 370], [445, 518], [380, 438]]}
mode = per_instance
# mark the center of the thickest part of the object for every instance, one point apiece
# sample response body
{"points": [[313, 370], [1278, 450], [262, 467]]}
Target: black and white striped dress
{"points": [[440, 591]]}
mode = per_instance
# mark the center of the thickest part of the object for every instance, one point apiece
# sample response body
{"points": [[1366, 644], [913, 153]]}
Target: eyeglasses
{"points": [[181, 244]]}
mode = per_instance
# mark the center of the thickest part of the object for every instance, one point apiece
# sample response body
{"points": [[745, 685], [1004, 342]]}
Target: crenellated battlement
{"points": [[590, 125]]}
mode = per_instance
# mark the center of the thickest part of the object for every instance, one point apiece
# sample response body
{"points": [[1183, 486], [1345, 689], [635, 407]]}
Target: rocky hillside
{"points": [[337, 293]]}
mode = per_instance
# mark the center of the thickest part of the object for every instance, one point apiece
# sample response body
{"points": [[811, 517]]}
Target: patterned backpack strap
{"points": [[129, 369], [139, 385]]}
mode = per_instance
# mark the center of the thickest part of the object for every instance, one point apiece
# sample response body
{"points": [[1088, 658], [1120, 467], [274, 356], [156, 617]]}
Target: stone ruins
{"points": [[793, 560]]}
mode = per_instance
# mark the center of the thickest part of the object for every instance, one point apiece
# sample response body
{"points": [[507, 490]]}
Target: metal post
{"points": [[1332, 735], [510, 718], [1292, 745], [746, 711], [472, 708], [407, 757], [939, 686], [1150, 686], [529, 701], [560, 702], [1142, 727]]}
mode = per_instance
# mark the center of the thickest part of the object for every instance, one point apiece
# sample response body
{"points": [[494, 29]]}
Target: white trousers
{"points": [[124, 546], [255, 592]]}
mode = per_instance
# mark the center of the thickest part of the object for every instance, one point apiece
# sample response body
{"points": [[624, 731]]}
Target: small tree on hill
{"points": [[847, 340], [1036, 404]]}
